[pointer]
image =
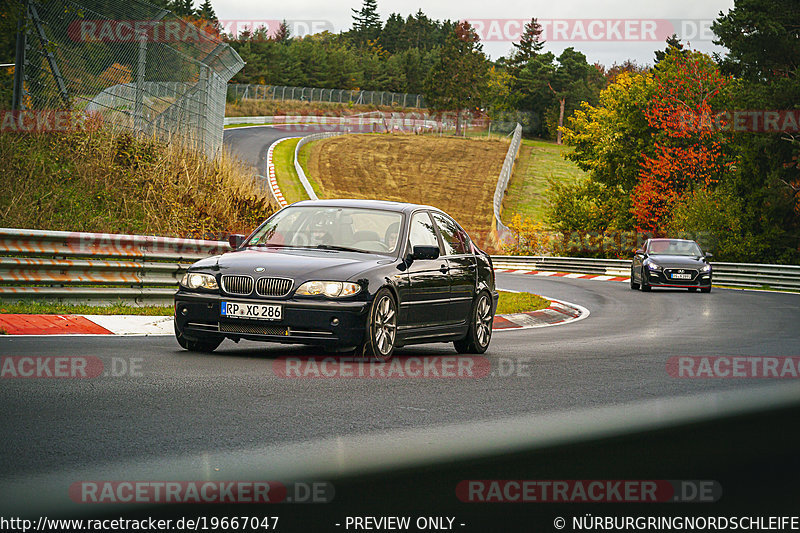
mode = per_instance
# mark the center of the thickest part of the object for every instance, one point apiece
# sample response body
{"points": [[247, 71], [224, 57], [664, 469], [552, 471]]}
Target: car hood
{"points": [[300, 265], [677, 261]]}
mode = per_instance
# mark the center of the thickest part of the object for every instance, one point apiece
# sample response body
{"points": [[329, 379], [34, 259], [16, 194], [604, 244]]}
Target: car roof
{"points": [[667, 239], [400, 207]]}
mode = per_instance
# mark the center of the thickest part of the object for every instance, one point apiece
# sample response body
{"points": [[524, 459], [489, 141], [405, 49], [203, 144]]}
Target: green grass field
{"points": [[510, 302], [520, 302], [288, 182], [113, 182], [57, 308], [537, 164]]}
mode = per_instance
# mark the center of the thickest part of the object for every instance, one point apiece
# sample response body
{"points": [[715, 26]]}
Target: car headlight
{"points": [[706, 268], [195, 280], [331, 289], [653, 266]]}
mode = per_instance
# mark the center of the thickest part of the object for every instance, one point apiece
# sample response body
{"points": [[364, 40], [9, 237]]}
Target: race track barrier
{"points": [[735, 274], [97, 268], [105, 268], [503, 179]]}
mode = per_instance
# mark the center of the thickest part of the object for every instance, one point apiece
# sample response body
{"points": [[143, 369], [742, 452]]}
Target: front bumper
{"points": [[657, 278], [304, 321]]}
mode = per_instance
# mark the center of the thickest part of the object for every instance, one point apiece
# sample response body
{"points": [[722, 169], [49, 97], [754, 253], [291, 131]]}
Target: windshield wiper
{"points": [[339, 248]]}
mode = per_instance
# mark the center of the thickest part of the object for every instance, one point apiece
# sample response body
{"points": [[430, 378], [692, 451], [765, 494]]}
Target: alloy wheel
{"points": [[384, 326], [483, 321]]}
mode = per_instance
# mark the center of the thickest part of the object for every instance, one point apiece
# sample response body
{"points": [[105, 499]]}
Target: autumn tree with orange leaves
{"points": [[691, 148]]}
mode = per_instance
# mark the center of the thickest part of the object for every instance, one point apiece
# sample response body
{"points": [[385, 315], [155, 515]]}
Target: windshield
{"points": [[676, 247], [332, 228]]}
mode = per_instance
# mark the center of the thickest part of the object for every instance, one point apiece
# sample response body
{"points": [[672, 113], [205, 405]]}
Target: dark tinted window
{"points": [[455, 240]]}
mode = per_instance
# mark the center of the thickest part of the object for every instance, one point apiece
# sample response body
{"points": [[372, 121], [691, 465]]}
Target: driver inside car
{"points": [[390, 239]]}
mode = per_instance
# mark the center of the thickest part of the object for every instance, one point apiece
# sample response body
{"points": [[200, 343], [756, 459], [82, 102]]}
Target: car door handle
{"points": [[443, 269]]}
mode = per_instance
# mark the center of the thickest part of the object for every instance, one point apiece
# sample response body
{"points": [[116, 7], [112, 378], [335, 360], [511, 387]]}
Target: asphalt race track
{"points": [[250, 143], [177, 403], [159, 412]]}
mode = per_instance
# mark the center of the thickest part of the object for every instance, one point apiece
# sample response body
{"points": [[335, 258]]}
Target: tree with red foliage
{"points": [[691, 148]]}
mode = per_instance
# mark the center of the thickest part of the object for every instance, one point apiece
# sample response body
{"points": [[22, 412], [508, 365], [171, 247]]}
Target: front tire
{"points": [[205, 345], [480, 327], [645, 287], [634, 285], [706, 290], [381, 333]]}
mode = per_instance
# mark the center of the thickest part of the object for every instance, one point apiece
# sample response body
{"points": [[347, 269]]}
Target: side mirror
{"points": [[709, 255], [235, 240], [425, 252], [639, 252]]}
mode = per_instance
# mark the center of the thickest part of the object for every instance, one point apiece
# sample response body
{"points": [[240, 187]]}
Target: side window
{"points": [[422, 232], [455, 240]]}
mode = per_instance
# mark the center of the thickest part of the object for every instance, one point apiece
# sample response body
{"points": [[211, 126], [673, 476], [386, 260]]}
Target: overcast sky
{"points": [[606, 31]]}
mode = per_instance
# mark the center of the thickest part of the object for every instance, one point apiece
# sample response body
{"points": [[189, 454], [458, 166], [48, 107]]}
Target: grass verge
{"points": [[56, 308], [285, 174], [520, 302], [510, 302], [539, 163], [102, 181]]}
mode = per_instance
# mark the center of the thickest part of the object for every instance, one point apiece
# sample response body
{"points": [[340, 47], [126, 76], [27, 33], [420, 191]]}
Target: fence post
{"points": [[17, 98], [139, 90]]}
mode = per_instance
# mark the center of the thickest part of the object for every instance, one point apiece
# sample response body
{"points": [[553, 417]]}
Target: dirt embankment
{"points": [[456, 175]]}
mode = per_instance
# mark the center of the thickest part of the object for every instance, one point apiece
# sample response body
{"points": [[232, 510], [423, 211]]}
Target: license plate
{"points": [[681, 276], [248, 310]]}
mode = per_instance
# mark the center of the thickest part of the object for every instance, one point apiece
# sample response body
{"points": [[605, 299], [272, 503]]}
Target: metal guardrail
{"points": [[95, 267], [738, 274], [103, 268], [300, 172], [505, 176]]}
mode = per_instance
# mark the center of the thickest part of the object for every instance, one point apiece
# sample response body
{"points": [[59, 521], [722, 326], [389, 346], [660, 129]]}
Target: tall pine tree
{"points": [[529, 45], [672, 42], [366, 23], [459, 78], [206, 12]]}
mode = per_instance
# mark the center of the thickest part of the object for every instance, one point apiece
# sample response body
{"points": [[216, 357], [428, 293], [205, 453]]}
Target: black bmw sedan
{"points": [[362, 275], [671, 263]]}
